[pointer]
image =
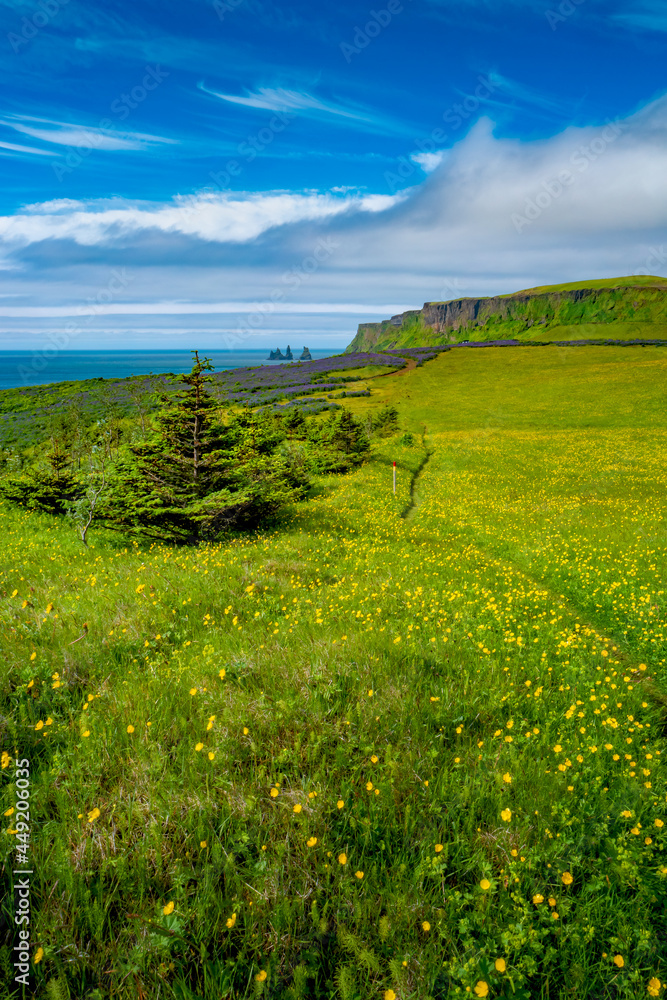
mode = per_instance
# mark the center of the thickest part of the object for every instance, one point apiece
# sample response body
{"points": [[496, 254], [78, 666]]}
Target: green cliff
{"points": [[608, 308]]}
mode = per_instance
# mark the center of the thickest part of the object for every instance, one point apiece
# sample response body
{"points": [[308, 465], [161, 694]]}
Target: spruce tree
{"points": [[181, 458], [49, 489], [338, 444], [195, 476]]}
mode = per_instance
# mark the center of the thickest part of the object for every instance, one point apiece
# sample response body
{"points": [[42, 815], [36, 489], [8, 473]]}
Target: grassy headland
{"points": [[613, 308]]}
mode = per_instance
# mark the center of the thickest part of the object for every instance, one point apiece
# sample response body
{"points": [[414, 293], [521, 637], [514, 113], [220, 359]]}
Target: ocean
{"points": [[24, 368]]}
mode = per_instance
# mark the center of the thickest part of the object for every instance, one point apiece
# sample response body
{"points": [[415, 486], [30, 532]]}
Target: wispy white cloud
{"points": [[278, 99], [508, 94], [220, 218], [69, 134], [14, 148]]}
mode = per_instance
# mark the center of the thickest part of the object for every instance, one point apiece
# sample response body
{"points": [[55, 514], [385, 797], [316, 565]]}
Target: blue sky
{"points": [[240, 172]]}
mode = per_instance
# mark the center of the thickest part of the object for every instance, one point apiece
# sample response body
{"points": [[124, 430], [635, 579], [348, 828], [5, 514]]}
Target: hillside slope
{"points": [[615, 308]]}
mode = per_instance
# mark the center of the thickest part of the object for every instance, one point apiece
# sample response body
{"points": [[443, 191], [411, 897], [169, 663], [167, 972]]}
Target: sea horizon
{"points": [[20, 369]]}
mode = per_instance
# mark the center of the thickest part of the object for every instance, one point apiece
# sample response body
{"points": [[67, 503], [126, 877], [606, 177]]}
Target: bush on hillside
{"points": [[385, 422], [337, 444], [42, 491], [49, 490]]}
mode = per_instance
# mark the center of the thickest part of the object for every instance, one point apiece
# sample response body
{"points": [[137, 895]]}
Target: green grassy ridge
{"points": [[631, 281], [100, 390], [631, 330], [28, 412], [603, 305]]}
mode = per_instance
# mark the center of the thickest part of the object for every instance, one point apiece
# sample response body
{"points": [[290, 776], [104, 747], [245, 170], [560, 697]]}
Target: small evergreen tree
{"points": [[195, 476], [180, 458], [50, 490], [385, 422], [40, 491], [337, 444], [295, 422]]}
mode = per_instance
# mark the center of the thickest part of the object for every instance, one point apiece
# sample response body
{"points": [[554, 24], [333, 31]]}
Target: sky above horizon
{"points": [[246, 174]]}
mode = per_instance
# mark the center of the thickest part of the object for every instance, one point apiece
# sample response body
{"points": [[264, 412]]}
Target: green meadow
{"points": [[636, 280], [632, 330], [404, 747]]}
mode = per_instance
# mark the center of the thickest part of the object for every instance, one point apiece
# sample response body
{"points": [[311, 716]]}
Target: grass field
{"points": [[401, 747], [631, 281], [631, 330]]}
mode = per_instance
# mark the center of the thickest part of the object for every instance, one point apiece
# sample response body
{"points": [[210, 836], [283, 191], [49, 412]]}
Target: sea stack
{"points": [[305, 355], [288, 354], [275, 355]]}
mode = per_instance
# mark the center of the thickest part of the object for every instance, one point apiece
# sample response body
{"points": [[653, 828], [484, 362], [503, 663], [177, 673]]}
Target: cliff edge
{"points": [[614, 308]]}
